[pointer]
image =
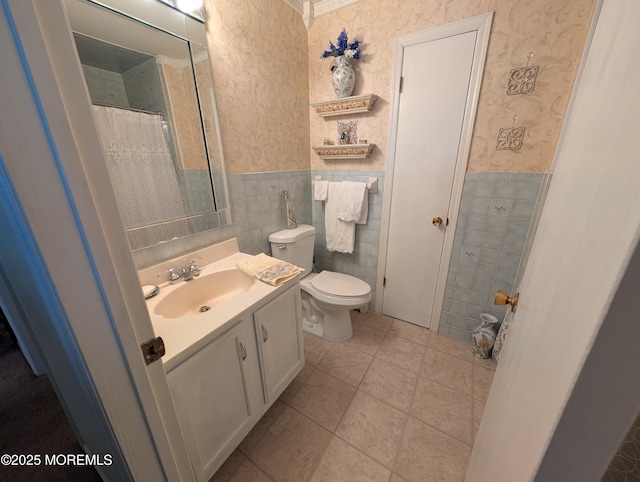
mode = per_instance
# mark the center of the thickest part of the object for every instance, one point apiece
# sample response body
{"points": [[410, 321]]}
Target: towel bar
{"points": [[372, 183]]}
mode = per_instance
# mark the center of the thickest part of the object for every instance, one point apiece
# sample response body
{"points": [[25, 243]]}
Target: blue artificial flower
{"points": [[343, 47]]}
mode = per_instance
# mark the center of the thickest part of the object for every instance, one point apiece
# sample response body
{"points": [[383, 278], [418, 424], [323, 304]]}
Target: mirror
{"points": [[148, 73]]}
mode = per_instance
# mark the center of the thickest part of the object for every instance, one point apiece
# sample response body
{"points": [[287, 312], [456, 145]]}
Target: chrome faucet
{"points": [[185, 273]]}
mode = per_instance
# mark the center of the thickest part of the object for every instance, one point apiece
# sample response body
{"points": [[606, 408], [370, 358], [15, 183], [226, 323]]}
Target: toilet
{"points": [[327, 297]]}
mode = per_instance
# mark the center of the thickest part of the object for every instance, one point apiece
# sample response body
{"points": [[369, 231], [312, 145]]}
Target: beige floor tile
{"points": [[448, 370], [401, 353], [389, 383], [478, 411], [365, 338], [230, 466], [482, 379], [342, 462], [451, 346], [250, 472], [258, 431], [426, 454], [397, 478], [324, 399], [296, 384], [292, 447], [489, 363], [315, 349], [415, 333], [346, 363], [375, 320], [373, 427], [446, 409]]}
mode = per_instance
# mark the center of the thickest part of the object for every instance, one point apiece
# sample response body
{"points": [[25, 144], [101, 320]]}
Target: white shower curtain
{"points": [[140, 166]]}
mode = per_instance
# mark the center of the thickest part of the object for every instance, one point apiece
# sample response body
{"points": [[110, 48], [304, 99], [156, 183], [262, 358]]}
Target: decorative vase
{"points": [[484, 336], [343, 77]]}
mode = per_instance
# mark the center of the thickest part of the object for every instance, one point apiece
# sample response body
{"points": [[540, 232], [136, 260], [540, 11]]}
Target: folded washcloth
{"points": [[270, 270], [278, 273], [257, 263], [320, 190]]}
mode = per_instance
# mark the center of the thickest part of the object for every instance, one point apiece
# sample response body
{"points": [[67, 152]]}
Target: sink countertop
{"points": [[186, 335]]}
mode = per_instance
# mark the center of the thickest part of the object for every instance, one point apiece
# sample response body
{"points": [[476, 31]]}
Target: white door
{"points": [[434, 106], [566, 388]]}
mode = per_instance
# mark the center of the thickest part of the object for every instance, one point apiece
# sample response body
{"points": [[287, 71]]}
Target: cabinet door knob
{"points": [[243, 351], [265, 333]]}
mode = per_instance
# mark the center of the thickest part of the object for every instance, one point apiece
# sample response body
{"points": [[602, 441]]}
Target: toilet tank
{"points": [[294, 246]]}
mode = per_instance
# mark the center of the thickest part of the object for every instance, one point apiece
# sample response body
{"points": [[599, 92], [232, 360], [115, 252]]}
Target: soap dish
{"points": [[150, 291]]}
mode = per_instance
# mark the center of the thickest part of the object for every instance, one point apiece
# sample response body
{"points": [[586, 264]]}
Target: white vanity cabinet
{"points": [[222, 390], [211, 392], [280, 343]]}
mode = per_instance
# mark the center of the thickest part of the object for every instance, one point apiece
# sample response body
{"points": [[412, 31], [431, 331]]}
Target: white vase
{"points": [[343, 77], [483, 336]]}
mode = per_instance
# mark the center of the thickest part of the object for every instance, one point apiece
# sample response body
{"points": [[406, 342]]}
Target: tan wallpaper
{"points": [[263, 85], [555, 32], [185, 119], [259, 54]]}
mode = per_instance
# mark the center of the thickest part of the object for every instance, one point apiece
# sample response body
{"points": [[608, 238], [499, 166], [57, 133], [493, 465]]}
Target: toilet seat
{"points": [[339, 284], [336, 300]]}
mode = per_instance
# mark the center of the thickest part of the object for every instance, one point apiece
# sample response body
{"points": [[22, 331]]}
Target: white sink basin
{"points": [[199, 295]]}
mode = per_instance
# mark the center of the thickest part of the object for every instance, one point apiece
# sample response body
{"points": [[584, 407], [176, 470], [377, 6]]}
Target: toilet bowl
{"points": [[327, 297], [331, 296]]}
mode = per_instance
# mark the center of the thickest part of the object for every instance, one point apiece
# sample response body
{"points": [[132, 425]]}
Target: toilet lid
{"points": [[339, 284]]}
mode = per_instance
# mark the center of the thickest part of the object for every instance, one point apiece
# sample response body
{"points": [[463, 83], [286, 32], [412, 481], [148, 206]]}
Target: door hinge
{"points": [[401, 83], [153, 350]]}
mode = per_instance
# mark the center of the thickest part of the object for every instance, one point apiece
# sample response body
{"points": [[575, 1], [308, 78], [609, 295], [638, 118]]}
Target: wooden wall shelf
{"points": [[344, 151], [346, 105]]}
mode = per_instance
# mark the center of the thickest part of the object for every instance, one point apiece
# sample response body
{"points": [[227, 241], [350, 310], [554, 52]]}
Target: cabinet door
{"points": [[211, 398], [279, 332]]}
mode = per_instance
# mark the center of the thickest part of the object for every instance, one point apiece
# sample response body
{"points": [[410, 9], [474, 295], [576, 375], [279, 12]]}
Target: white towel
{"points": [[320, 190], [340, 235], [354, 205]]}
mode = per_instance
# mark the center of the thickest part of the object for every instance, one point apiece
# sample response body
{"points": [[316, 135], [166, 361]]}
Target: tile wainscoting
{"points": [[363, 262], [258, 208], [495, 227], [496, 223]]}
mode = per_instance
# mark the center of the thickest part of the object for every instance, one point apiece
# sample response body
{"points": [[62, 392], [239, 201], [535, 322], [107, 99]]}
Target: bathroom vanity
{"points": [[227, 365]]}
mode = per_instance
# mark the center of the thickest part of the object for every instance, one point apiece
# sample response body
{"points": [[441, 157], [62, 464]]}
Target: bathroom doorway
{"points": [[438, 74]]}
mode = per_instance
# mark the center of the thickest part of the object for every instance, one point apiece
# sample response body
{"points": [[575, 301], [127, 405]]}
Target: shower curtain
{"points": [[140, 166]]}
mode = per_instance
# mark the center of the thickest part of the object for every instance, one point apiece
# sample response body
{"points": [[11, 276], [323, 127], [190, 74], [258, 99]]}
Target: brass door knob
{"points": [[504, 299], [437, 221]]}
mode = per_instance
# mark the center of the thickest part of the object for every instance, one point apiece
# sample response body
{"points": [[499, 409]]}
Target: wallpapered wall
{"points": [[267, 69], [259, 54], [554, 31]]}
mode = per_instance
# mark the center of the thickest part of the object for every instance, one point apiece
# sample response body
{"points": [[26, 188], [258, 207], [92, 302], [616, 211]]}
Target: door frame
{"points": [[482, 25], [94, 296]]}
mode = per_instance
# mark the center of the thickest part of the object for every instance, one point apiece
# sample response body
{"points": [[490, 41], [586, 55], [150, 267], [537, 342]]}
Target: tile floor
{"points": [[394, 403]]}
